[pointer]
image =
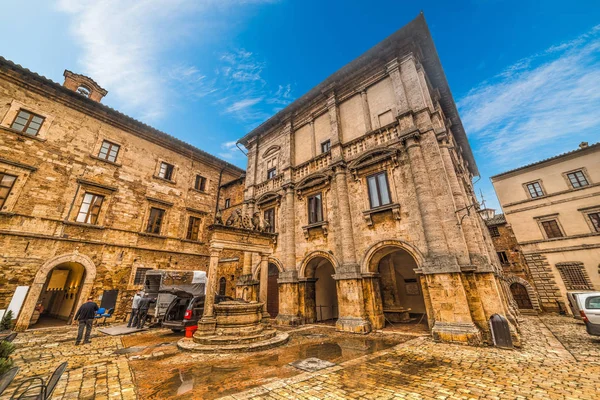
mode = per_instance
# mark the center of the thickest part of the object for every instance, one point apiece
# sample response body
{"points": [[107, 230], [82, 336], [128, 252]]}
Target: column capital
{"points": [[264, 257], [392, 66], [215, 251], [412, 141]]}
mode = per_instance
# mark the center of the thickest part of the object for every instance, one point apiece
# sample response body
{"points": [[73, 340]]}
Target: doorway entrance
{"points": [[273, 291], [60, 293], [325, 294], [519, 293], [400, 287]]}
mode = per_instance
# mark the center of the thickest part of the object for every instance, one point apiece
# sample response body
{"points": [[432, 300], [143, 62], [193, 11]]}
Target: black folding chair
{"points": [[41, 390], [10, 337], [7, 378]]}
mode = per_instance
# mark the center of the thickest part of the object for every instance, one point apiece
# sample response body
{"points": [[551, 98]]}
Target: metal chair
{"points": [[40, 391], [7, 378], [99, 313], [107, 314]]}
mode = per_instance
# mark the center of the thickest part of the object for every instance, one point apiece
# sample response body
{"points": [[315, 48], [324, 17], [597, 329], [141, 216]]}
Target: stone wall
{"points": [[545, 283]]}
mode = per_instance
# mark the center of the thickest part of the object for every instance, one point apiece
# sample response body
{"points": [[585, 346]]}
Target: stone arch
{"points": [[316, 254], [373, 255], [510, 279], [272, 260], [40, 279]]}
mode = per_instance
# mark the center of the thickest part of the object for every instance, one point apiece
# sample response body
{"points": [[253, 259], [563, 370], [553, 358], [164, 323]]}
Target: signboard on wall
{"points": [[17, 300]]}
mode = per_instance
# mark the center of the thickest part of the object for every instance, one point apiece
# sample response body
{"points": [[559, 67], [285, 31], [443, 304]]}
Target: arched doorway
{"points": [[397, 295], [325, 293], [519, 293], [273, 291], [60, 293]]}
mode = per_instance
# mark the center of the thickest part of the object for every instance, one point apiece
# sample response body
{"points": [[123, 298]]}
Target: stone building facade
{"points": [[515, 270], [367, 180], [553, 207], [90, 198]]}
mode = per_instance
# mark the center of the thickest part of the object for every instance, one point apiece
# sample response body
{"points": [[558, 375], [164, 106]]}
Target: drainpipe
{"points": [[219, 190]]}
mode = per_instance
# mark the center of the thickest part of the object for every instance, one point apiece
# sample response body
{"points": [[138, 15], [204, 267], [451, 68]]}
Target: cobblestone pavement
{"points": [[559, 360]]}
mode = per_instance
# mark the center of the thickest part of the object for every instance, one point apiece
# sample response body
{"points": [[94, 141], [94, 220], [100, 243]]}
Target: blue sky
{"points": [[525, 75]]}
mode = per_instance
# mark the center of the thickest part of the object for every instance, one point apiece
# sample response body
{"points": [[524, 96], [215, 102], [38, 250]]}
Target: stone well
{"points": [[238, 328]]}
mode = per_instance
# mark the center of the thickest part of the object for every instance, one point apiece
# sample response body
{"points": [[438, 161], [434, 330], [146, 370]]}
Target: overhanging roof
{"points": [[416, 32]]}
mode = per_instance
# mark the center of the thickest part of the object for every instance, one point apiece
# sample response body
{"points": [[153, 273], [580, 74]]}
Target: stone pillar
{"points": [[264, 279], [246, 287], [442, 195], [351, 302], [366, 110], [313, 146], [373, 301], [334, 120], [434, 236], [348, 255], [393, 70], [289, 246], [476, 253], [207, 325], [289, 299]]}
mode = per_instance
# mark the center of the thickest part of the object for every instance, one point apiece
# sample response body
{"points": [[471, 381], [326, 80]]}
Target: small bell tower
{"points": [[84, 86]]}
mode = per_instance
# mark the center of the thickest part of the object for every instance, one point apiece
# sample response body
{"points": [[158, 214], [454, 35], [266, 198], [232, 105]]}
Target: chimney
{"points": [[583, 145], [84, 85]]}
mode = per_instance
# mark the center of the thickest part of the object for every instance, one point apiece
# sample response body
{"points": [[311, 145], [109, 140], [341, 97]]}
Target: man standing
{"points": [[144, 305], [134, 309], [85, 315]]}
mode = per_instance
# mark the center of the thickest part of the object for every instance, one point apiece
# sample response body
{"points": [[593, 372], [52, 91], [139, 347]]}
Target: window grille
{"points": [[140, 276], [574, 276]]}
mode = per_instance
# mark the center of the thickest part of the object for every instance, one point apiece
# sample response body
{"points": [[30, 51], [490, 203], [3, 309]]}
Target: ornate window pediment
{"points": [[271, 151], [268, 198], [312, 182], [373, 157]]}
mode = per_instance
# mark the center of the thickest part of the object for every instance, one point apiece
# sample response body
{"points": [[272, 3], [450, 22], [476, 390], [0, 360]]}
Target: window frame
{"points": [[8, 188], [89, 213], [533, 183], [227, 203], [137, 273], [574, 173], [193, 228], [200, 183], [111, 146], [326, 146], [566, 270], [557, 226], [494, 231], [271, 173], [167, 170], [378, 189], [151, 223], [28, 123], [310, 201], [503, 257]]}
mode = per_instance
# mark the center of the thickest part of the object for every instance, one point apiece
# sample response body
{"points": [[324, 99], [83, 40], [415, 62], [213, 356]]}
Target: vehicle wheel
{"points": [[177, 330]]}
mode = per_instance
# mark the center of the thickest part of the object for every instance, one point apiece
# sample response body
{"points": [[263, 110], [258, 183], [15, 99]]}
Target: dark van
{"points": [[185, 310]]}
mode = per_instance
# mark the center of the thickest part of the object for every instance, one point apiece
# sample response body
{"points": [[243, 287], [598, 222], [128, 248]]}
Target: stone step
{"points": [[189, 345], [219, 340]]}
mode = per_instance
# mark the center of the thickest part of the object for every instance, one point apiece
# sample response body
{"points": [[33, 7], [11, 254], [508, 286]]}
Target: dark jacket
{"points": [[145, 302], [86, 311]]}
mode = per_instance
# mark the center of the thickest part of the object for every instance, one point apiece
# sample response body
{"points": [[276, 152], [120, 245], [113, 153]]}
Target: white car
{"points": [[589, 309]]}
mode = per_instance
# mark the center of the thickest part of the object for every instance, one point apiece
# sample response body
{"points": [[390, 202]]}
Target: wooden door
{"points": [[273, 291], [521, 296]]}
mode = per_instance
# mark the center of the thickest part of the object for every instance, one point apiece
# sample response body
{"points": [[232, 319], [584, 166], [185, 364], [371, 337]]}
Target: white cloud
{"points": [[124, 45], [243, 104], [536, 102], [230, 151]]}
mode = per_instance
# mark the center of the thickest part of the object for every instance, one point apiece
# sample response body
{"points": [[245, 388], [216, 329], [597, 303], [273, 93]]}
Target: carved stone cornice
{"points": [[312, 182], [375, 156]]}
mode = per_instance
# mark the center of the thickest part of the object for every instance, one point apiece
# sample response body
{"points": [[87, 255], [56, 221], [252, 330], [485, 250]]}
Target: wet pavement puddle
{"points": [[198, 376]]}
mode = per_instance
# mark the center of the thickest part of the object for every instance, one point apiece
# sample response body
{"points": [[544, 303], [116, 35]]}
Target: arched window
{"points": [[222, 286], [84, 91]]}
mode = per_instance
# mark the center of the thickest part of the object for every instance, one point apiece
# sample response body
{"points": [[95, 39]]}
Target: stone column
{"points": [[289, 299], [334, 121], [348, 255], [366, 110], [290, 228], [393, 69], [264, 281], [313, 146], [246, 286], [207, 325]]}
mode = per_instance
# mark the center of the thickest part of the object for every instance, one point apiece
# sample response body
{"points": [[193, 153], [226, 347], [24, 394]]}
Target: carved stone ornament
{"points": [[371, 158], [244, 221], [312, 182]]}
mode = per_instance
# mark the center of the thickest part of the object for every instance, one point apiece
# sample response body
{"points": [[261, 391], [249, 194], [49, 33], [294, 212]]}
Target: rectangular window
{"points": [[227, 203], [6, 184], [535, 189], [166, 171], [594, 218], [193, 228], [109, 151], [574, 276], [577, 179], [27, 122], [200, 183], [379, 194], [552, 229], [494, 232], [140, 275], [269, 216], [502, 256], [271, 173], [155, 220], [326, 146], [315, 209], [90, 208]]}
